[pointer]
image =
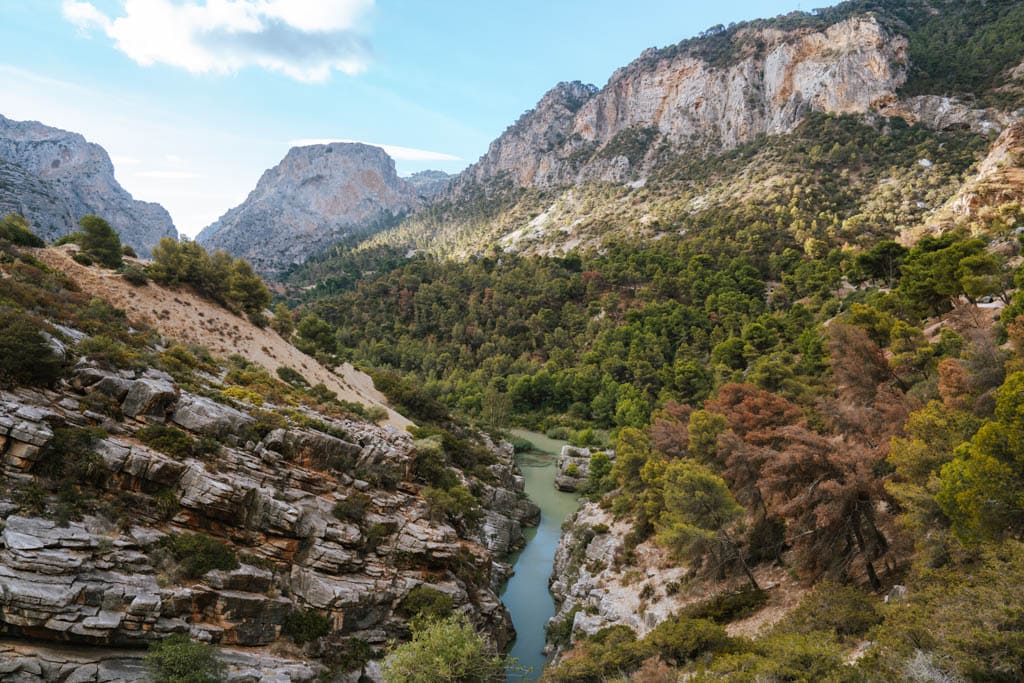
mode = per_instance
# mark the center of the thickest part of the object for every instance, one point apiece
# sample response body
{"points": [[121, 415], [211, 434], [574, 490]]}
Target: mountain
{"points": [[316, 196], [54, 177], [590, 163], [429, 183]]}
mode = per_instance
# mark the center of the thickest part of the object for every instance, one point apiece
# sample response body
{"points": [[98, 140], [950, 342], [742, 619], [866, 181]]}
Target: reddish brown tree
{"points": [[827, 490]]}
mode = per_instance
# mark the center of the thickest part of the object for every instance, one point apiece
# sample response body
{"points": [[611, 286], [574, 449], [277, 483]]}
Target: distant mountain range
{"points": [[54, 177]]}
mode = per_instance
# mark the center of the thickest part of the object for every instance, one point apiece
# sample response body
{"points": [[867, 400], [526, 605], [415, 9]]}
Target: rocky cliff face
{"points": [[324, 513], [316, 196], [578, 132], [54, 177]]}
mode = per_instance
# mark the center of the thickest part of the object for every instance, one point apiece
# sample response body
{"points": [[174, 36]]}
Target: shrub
{"points": [[25, 355], [128, 250], [680, 640], [424, 602], [726, 607], [292, 376], [376, 534], [455, 503], [16, 230], [135, 276], [242, 394], [169, 440], [199, 554], [106, 352], [447, 650], [303, 626], [347, 654], [178, 659], [559, 632], [831, 607], [352, 508]]}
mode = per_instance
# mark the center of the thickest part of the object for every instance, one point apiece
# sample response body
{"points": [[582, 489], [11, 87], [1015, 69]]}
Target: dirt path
{"points": [[180, 314]]}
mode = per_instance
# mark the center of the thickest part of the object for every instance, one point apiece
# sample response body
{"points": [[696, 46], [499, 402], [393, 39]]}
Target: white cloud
{"points": [[396, 152], [306, 40]]}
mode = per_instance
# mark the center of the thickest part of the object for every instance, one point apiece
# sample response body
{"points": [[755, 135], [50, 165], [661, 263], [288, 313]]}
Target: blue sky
{"points": [[194, 99]]}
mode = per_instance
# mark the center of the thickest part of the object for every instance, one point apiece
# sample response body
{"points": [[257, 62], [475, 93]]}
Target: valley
{"points": [[712, 373]]}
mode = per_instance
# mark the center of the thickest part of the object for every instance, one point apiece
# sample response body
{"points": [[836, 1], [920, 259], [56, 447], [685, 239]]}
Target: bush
{"points": [[292, 376], [16, 230], [560, 632], [347, 654], [199, 554], [455, 503], [25, 354], [352, 508], [303, 626], [135, 276], [128, 250], [178, 659], [424, 602], [680, 640], [726, 607], [830, 607], [376, 534], [173, 441], [447, 650]]}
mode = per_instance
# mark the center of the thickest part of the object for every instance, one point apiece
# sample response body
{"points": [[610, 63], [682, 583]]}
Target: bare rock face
{"points": [[316, 196], [578, 132], [54, 177]]}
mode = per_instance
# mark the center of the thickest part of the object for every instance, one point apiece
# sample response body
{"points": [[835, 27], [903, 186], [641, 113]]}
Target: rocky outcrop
{"points": [[316, 196], [54, 177], [573, 467], [321, 513], [595, 586], [673, 96], [429, 184], [994, 195]]}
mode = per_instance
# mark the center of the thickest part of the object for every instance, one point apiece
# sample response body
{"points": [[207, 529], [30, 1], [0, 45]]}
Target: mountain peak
{"points": [[315, 196]]}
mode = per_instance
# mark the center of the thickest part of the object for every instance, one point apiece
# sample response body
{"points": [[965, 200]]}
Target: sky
{"points": [[194, 99]]}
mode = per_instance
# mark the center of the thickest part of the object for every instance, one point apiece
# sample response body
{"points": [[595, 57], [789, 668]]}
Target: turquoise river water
{"points": [[526, 595]]}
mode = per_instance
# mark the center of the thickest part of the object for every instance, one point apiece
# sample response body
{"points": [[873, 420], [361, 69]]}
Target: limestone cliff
{"points": [[54, 177], [316, 196], [323, 511], [578, 132]]}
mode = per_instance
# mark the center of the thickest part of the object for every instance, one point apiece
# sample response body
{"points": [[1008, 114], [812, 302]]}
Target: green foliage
{"points": [[843, 610], [426, 604], [965, 618], [178, 659], [795, 658], [305, 625], [352, 508], [446, 651], [199, 554], [100, 241], [291, 376], [174, 442], [229, 281], [25, 354], [135, 275], [16, 230], [313, 335], [457, 504], [723, 608], [283, 323], [982, 489]]}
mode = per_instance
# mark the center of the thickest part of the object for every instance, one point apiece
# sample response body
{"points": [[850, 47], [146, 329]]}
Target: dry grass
{"points": [[182, 315]]}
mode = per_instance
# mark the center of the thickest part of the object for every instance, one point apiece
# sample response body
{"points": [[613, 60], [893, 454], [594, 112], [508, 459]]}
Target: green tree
{"points": [[699, 517], [16, 230], [446, 651], [25, 355], [282, 322], [178, 659], [100, 241]]}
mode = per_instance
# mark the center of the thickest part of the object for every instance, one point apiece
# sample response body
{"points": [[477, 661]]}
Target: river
{"points": [[526, 594]]}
